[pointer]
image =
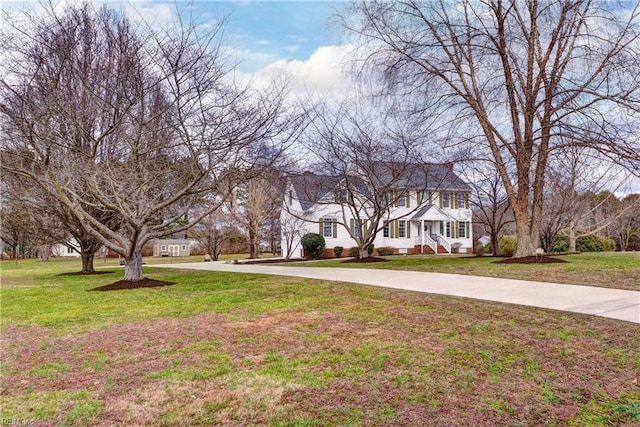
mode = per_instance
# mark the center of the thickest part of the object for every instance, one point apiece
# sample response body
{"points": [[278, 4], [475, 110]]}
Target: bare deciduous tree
{"points": [[254, 205], [627, 223], [529, 77], [490, 206], [134, 123], [213, 233], [291, 230]]}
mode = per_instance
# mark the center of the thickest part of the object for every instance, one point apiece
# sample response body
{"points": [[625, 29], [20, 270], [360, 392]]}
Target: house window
{"points": [[461, 201], [447, 229], [163, 248], [425, 197], [356, 227], [70, 250], [446, 200], [327, 227], [402, 199], [385, 229], [462, 229], [184, 248], [341, 196], [402, 228]]}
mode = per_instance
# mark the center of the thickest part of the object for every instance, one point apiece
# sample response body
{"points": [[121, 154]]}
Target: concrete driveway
{"points": [[612, 303]]}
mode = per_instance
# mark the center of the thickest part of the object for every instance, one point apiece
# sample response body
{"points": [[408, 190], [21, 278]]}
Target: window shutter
{"points": [[320, 232], [455, 229], [407, 195], [466, 230], [466, 201], [441, 193], [351, 226], [441, 228], [408, 228], [419, 196], [454, 200], [394, 229], [335, 228]]}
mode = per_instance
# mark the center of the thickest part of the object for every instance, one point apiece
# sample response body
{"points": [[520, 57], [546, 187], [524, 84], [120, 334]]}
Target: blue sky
{"points": [[290, 30]]}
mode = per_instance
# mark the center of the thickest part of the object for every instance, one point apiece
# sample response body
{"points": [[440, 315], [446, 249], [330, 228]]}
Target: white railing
{"points": [[431, 243], [418, 240], [442, 241]]}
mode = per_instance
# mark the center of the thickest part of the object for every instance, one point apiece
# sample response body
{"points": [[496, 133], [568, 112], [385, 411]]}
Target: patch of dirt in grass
{"points": [[531, 260], [368, 260], [129, 284]]}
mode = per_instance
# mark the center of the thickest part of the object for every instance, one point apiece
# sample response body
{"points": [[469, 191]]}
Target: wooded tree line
{"points": [[125, 134]]}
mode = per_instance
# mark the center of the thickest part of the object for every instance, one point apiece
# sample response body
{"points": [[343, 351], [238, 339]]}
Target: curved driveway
{"points": [[613, 303]]}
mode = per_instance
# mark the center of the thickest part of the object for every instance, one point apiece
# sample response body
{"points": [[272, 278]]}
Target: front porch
{"points": [[431, 239]]}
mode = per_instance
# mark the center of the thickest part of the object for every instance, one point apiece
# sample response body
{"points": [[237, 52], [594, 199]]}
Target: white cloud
{"points": [[322, 74], [158, 14]]}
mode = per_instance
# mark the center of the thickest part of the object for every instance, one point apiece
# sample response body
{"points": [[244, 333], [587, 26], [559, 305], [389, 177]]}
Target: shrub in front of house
{"points": [[370, 248], [560, 244], [481, 250], [385, 251], [585, 243], [337, 251], [508, 245], [591, 243], [313, 245], [354, 252]]}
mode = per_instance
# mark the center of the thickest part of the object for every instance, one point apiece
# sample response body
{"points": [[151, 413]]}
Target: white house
{"points": [[171, 247], [429, 212], [62, 250]]}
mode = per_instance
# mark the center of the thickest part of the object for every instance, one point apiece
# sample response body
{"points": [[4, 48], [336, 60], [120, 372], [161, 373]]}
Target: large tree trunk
{"points": [[495, 244], [88, 249], [253, 245], [525, 245], [133, 266], [87, 262], [363, 252]]}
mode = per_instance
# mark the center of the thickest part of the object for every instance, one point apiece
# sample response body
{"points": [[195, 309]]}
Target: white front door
{"points": [[174, 249]]}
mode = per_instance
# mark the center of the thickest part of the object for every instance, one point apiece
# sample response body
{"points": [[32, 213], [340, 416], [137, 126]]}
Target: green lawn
{"points": [[236, 349], [607, 269]]}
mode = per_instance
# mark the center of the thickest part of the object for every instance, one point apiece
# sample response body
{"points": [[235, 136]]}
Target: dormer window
{"points": [[446, 200], [402, 199], [461, 201], [341, 196]]}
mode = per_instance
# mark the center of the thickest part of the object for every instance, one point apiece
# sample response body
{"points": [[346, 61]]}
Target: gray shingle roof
{"points": [[428, 176], [311, 188]]}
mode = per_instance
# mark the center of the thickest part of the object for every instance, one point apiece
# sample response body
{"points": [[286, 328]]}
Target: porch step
{"points": [[428, 250]]}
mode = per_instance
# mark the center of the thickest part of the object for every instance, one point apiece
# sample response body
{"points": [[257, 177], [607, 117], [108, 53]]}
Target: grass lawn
{"points": [[605, 269], [236, 349]]}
